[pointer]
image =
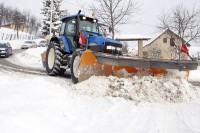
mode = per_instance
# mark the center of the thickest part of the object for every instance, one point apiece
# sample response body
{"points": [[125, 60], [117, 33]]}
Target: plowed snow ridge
{"points": [[160, 88]]}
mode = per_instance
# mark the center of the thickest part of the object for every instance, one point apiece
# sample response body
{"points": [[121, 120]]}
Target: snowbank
{"points": [[29, 58], [10, 34], [160, 88]]}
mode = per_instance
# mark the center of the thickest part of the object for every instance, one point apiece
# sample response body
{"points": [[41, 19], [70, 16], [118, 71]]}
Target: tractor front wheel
{"points": [[74, 67]]}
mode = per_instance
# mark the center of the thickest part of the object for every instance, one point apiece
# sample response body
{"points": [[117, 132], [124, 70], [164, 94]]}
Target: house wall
{"points": [[158, 49]]}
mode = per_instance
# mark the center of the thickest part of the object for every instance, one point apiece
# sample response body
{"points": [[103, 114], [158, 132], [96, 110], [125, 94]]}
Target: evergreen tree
{"points": [[46, 11]]}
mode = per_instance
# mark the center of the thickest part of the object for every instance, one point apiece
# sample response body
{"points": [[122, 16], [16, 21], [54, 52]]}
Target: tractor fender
{"points": [[65, 44], [62, 41]]}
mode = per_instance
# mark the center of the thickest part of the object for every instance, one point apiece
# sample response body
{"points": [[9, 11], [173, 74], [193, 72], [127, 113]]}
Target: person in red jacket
{"points": [[184, 52]]}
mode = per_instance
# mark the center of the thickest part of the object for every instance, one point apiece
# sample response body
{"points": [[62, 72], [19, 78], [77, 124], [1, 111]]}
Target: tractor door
{"points": [[68, 29]]}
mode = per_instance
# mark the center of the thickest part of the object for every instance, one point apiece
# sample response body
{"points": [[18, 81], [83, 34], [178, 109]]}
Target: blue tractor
{"points": [[81, 48], [77, 34]]}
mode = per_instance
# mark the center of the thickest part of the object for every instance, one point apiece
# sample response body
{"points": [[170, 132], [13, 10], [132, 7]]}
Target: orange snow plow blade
{"points": [[90, 64]]}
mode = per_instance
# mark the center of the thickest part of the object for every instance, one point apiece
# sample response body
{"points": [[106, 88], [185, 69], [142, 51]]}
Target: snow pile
{"points": [[96, 86], [153, 88], [29, 58], [160, 88]]}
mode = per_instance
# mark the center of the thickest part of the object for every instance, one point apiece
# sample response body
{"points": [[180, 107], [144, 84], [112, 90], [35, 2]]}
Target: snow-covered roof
{"points": [[132, 37]]}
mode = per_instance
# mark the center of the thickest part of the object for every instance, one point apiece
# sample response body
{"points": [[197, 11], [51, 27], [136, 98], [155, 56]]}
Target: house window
{"points": [[164, 40], [172, 41]]}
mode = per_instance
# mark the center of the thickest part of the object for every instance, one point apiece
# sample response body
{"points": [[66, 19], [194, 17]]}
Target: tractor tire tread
{"points": [[56, 70]]}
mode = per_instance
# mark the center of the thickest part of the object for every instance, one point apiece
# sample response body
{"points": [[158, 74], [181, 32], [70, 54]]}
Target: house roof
{"points": [[132, 37], [167, 31]]}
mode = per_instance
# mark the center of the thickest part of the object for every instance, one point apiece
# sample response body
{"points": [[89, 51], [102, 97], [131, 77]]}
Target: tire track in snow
{"points": [[7, 65]]}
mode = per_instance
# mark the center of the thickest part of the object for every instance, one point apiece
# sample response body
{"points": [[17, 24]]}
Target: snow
{"points": [[138, 103], [145, 88], [11, 31], [29, 58], [10, 34], [7, 35], [131, 36], [46, 105]]}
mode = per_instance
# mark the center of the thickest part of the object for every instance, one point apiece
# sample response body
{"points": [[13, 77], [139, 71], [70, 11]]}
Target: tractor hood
{"points": [[98, 39]]}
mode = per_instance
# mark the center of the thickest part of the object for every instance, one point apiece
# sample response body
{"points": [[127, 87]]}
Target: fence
{"points": [[21, 36]]}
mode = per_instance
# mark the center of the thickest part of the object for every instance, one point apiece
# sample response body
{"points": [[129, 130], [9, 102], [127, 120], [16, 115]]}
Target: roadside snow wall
{"points": [[141, 88]]}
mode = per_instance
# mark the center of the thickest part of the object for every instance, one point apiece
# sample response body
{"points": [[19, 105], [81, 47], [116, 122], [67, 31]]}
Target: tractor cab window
{"points": [[88, 24], [62, 29], [70, 27]]}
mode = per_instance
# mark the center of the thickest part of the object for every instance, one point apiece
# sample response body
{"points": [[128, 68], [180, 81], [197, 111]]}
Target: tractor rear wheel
{"points": [[74, 67], [54, 57]]}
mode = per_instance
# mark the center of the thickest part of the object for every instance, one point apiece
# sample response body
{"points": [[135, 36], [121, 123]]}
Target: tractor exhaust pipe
{"points": [[77, 29]]}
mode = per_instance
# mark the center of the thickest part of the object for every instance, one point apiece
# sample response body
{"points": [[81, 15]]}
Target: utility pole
{"points": [[51, 18]]}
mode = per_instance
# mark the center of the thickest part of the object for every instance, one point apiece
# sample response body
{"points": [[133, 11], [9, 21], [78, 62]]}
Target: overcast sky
{"points": [[148, 17]]}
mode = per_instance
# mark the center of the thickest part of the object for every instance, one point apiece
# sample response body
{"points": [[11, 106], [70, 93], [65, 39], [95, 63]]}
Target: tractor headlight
{"points": [[84, 18], [113, 49]]}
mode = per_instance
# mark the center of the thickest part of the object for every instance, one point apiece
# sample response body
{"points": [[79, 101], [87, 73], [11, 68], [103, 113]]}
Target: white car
{"points": [[42, 43], [28, 44]]}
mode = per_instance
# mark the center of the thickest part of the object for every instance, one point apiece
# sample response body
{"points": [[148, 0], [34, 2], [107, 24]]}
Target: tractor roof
{"points": [[73, 16]]}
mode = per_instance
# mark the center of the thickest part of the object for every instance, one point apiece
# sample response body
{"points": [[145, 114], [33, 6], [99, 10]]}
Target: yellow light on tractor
{"points": [[93, 15]]}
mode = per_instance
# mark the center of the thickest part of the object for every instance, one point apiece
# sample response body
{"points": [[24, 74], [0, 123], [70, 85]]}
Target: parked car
{"points": [[28, 44], [42, 43], [5, 49]]}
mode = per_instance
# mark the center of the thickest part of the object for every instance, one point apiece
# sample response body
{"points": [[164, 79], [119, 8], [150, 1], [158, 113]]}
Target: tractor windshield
{"points": [[88, 24]]}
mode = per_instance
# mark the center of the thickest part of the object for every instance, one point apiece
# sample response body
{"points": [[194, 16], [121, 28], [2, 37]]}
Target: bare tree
{"points": [[25, 17], [114, 13], [32, 24], [8, 14], [17, 20], [183, 21], [2, 10]]}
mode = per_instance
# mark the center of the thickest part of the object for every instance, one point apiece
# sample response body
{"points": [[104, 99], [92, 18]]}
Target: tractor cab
{"points": [[73, 26]]}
